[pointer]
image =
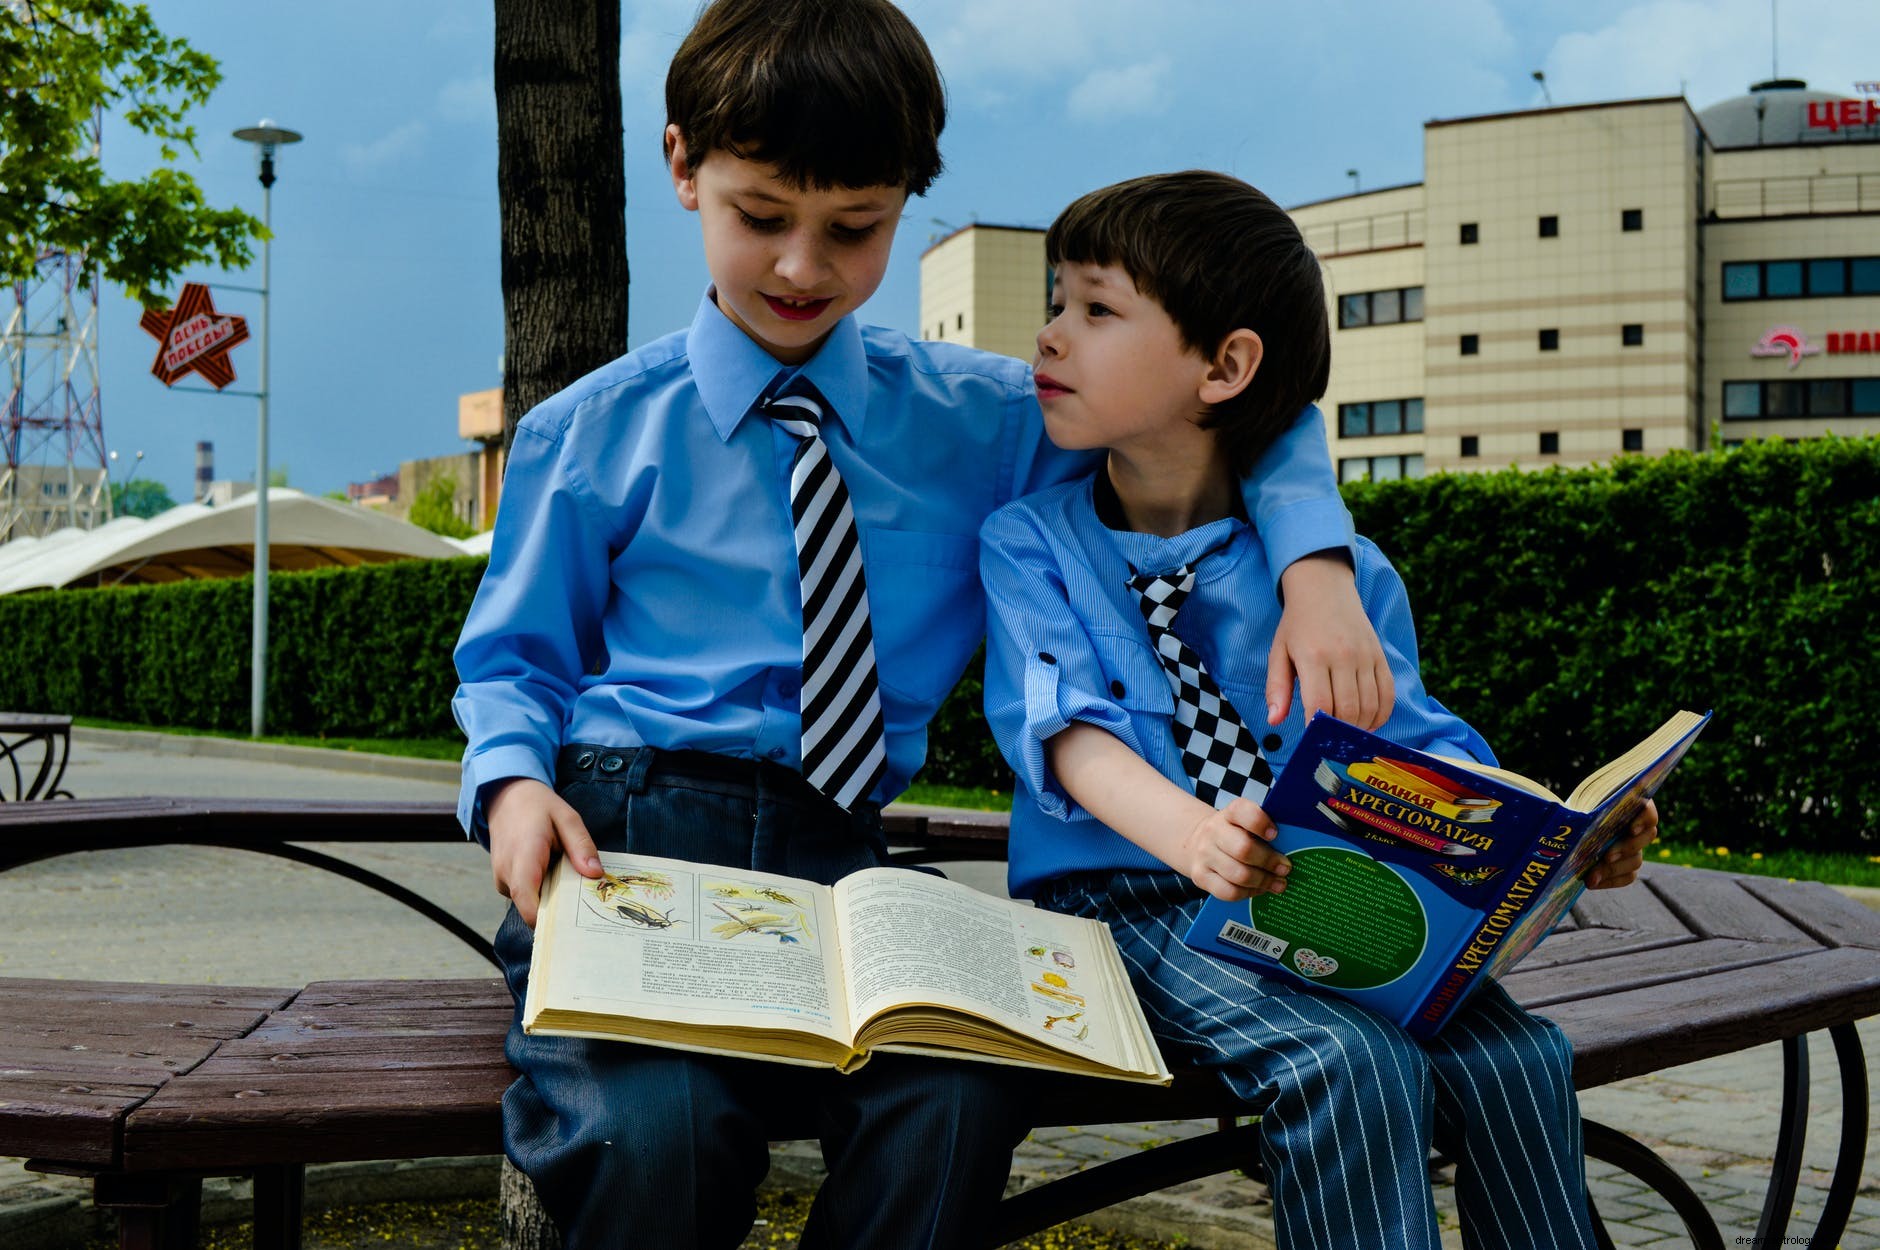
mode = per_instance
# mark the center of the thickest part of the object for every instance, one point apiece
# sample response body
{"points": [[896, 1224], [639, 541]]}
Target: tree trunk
{"points": [[525, 1225], [561, 183]]}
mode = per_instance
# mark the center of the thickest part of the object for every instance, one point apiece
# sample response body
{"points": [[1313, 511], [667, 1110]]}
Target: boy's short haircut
{"points": [[1218, 256], [834, 93]]}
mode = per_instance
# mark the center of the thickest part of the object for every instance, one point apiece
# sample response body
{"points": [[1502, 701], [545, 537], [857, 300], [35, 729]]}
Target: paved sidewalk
{"points": [[221, 916]]}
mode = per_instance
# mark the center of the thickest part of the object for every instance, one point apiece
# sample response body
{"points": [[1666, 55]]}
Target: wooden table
{"points": [[22, 733]]}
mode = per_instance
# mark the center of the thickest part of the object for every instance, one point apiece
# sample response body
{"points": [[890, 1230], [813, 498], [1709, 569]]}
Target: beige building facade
{"points": [[1567, 285]]}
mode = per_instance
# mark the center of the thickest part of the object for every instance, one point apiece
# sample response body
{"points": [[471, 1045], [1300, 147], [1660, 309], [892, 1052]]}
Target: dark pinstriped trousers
{"points": [[1351, 1103]]}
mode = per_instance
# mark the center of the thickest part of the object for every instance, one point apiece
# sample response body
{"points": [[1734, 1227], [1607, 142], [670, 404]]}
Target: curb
{"points": [[272, 753]]}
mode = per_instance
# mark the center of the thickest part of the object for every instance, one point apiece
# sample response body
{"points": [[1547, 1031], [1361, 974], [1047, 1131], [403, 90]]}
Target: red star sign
{"points": [[193, 337]]}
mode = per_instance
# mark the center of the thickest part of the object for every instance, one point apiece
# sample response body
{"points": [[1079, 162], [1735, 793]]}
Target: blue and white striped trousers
{"points": [[1350, 1103]]}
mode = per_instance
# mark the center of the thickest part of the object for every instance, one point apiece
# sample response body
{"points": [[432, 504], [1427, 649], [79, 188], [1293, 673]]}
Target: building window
{"points": [[1379, 468], [1471, 344], [1823, 397], [1550, 443], [1632, 440], [1383, 416], [959, 321], [1550, 340], [1468, 232], [1380, 308], [1471, 446], [1822, 277], [1550, 227], [1632, 335], [1631, 219]]}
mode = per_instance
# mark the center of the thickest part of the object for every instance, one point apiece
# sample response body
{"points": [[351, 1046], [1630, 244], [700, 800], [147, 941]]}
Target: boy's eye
{"points": [[763, 225], [1100, 310], [1053, 311], [854, 234]]}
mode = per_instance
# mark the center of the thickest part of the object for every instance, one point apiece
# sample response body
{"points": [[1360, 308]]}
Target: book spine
{"points": [[1546, 856]]}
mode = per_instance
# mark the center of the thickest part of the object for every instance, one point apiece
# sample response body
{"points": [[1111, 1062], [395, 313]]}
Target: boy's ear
{"points": [[1232, 366], [684, 184]]}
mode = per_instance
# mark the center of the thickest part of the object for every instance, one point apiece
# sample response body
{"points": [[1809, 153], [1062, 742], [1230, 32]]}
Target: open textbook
{"points": [[1416, 878], [732, 962]]}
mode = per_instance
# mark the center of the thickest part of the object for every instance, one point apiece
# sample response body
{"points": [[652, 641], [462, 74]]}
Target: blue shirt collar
{"points": [[732, 371]]}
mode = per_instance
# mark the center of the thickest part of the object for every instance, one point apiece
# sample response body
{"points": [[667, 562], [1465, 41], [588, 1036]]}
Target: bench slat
{"points": [[1537, 988], [1647, 1030], [1712, 904]]}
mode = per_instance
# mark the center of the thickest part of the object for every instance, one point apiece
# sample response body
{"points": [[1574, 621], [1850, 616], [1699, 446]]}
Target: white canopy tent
{"points": [[201, 541]]}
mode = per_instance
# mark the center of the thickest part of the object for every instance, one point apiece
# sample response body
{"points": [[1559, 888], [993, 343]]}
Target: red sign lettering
{"points": [[1834, 114]]}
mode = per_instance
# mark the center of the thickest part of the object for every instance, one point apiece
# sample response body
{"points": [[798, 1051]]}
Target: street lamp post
{"points": [[267, 136]]}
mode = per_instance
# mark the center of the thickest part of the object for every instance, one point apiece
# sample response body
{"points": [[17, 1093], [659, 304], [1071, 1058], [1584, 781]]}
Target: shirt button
{"points": [[1047, 657], [584, 760], [776, 753], [612, 763], [1271, 742], [1116, 688]]}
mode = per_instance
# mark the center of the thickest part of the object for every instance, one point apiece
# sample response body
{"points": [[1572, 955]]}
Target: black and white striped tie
{"points": [[843, 750], [1218, 752]]}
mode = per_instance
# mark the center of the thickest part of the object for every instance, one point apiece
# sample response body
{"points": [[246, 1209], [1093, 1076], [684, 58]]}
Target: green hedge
{"points": [[1564, 614], [351, 652]]}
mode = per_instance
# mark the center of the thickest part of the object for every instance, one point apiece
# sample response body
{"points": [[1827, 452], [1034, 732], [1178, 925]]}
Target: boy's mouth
{"points": [[1049, 387], [797, 309]]}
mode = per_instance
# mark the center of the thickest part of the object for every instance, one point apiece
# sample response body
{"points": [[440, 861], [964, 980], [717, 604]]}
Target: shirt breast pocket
{"points": [[1134, 679], [926, 609]]}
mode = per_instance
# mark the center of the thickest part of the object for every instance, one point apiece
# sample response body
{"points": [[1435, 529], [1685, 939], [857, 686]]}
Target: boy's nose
{"points": [[801, 263], [1048, 339]]}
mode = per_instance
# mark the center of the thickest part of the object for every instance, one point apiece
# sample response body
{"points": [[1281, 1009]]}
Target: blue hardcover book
{"points": [[1416, 879]]}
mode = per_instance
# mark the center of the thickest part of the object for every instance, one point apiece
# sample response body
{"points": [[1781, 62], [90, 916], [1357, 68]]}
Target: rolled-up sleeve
{"points": [[1042, 671], [534, 627], [1293, 497]]}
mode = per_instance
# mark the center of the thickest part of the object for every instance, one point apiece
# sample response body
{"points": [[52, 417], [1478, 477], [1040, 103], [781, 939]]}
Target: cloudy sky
{"points": [[386, 298]]}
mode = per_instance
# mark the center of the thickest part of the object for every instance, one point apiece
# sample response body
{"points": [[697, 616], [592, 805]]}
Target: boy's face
{"points": [[787, 263], [1112, 370]]}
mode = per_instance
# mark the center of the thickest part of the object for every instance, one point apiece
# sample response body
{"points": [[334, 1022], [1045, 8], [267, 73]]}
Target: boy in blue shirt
{"points": [[1129, 620], [734, 575]]}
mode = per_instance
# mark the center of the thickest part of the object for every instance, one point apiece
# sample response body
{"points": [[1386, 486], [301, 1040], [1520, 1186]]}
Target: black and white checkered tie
{"points": [[1218, 751], [843, 750]]}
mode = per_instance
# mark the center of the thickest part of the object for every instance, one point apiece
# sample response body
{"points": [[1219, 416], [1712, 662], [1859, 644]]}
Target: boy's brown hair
{"points": [[1218, 256], [834, 93]]}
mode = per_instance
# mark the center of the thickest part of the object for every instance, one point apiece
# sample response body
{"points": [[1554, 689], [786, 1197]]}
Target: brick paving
{"points": [[221, 916]]}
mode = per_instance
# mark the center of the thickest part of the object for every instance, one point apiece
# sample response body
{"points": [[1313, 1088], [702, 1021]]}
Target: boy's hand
{"points": [[1619, 866], [1227, 854], [529, 822], [1326, 642]]}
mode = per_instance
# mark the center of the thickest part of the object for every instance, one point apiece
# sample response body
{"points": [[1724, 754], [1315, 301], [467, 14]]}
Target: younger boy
{"points": [[734, 575], [1188, 321]]}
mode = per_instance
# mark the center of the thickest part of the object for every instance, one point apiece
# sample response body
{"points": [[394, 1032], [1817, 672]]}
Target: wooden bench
{"points": [[149, 1088]]}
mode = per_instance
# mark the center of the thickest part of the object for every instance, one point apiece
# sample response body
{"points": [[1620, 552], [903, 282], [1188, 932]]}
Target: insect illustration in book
{"points": [[746, 911], [627, 899], [1083, 1030]]}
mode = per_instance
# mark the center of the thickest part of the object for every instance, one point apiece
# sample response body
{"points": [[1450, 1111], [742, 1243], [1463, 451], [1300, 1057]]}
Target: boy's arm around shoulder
{"points": [[1324, 642], [532, 632]]}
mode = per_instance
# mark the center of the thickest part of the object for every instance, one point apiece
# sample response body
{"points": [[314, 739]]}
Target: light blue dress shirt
{"points": [[643, 588], [1066, 642]]}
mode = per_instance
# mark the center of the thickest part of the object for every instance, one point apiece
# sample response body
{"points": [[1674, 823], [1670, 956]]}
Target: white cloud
{"points": [[387, 148], [1132, 91], [468, 99], [1713, 49]]}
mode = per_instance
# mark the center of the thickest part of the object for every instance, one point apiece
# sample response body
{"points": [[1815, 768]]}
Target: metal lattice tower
{"points": [[54, 472]]}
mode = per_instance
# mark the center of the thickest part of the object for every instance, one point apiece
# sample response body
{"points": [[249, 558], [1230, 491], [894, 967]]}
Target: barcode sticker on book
{"points": [[1253, 940]]}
